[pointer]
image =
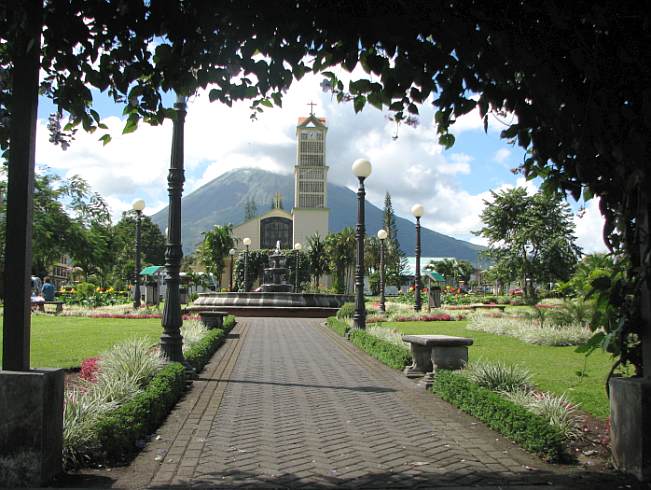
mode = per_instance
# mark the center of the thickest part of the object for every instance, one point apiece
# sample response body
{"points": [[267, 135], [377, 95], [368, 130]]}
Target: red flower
{"points": [[89, 368]]}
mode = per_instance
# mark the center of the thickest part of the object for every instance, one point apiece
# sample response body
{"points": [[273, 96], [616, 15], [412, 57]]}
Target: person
{"points": [[48, 289]]}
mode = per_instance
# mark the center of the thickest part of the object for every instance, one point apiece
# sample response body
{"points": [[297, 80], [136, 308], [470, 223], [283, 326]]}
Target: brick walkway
{"points": [[287, 403]]}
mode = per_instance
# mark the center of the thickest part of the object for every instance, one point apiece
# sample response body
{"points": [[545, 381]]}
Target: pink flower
{"points": [[89, 368]]}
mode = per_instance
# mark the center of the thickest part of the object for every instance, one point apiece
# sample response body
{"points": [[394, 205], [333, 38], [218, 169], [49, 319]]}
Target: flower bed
{"points": [[125, 394]]}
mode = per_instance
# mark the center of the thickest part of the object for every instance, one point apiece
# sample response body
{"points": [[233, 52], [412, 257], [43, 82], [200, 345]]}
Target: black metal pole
{"points": [[28, 20], [417, 288], [246, 269], [359, 317], [382, 305], [296, 276], [171, 341], [136, 289], [231, 284]]}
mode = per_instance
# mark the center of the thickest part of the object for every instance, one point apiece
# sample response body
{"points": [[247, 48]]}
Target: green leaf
{"points": [[359, 102], [375, 99], [601, 283], [214, 94], [592, 344], [131, 125], [446, 140], [105, 139], [266, 103]]}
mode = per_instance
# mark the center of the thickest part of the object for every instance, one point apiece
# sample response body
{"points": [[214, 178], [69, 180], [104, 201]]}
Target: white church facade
{"points": [[310, 213]]}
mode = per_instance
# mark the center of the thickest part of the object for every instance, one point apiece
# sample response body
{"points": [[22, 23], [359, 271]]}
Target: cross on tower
{"points": [[311, 104]]}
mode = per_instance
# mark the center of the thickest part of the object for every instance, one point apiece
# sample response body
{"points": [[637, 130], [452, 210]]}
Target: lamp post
{"points": [[138, 205], [382, 235], [171, 340], [231, 252], [247, 242], [417, 210], [297, 247], [361, 169]]}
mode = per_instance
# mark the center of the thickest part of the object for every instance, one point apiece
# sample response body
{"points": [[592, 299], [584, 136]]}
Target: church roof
{"points": [[317, 121]]}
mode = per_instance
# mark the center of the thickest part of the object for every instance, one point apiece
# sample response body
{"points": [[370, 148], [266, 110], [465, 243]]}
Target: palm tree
{"points": [[340, 248], [317, 257], [214, 248]]}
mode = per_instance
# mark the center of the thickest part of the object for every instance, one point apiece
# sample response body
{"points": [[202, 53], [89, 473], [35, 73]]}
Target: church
{"points": [[310, 212]]}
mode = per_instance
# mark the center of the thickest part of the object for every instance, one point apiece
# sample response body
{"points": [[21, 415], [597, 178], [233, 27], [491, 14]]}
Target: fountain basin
{"points": [[278, 304]]}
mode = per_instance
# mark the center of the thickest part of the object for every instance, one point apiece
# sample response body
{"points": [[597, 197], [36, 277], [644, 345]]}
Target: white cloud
{"points": [[413, 167], [501, 155], [589, 228]]}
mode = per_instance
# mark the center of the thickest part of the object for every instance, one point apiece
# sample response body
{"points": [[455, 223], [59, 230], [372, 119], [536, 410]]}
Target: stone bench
{"points": [[432, 352], [40, 305], [212, 319], [488, 307]]}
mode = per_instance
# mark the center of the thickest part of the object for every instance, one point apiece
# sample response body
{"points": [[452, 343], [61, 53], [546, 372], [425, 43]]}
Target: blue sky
{"points": [[451, 184]]}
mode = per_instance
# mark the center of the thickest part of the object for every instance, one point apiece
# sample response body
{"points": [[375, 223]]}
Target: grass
{"points": [[66, 341], [554, 369]]}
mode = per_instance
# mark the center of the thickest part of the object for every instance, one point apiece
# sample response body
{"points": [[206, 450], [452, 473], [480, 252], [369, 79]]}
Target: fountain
{"points": [[275, 297]]}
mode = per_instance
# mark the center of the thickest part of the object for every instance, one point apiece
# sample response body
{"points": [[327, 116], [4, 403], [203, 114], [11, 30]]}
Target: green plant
{"points": [[347, 310], [133, 359], [338, 326], [498, 376], [382, 350], [120, 429], [525, 428]]}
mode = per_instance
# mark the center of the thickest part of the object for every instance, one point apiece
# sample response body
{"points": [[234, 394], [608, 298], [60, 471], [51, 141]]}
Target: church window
{"points": [[273, 229]]}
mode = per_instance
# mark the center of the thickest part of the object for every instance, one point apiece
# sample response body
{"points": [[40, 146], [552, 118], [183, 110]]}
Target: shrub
{"points": [[192, 331], [338, 326], [89, 369], [119, 430], [530, 331], [382, 350], [527, 429], [132, 359], [498, 376]]}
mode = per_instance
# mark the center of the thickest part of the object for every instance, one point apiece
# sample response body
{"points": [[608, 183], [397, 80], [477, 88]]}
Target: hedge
{"points": [[120, 430], [530, 431], [338, 326], [201, 352]]}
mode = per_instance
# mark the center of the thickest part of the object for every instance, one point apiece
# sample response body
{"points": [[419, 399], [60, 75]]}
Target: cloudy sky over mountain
{"points": [[451, 184]]}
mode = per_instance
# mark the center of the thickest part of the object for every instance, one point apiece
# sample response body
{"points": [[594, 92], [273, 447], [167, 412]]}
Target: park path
{"points": [[286, 403]]}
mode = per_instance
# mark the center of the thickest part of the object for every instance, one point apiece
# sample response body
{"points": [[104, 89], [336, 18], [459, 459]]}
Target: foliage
{"points": [[382, 350], [530, 236], [215, 247], [88, 295], [347, 310], [590, 268], [118, 430], [531, 331], [340, 248], [557, 409], [317, 257], [88, 369], [394, 257], [201, 352], [339, 326], [527, 429], [498, 376], [133, 359], [581, 378]]}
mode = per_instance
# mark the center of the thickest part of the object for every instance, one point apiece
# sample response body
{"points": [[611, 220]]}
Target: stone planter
{"points": [[630, 425]]}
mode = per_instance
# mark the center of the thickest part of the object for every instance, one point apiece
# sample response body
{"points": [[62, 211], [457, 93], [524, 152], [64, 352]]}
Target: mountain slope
{"points": [[223, 199]]}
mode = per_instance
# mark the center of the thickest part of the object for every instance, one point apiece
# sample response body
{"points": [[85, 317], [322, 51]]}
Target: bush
{"points": [[498, 376], [201, 352], [527, 429], [382, 350], [347, 310], [119, 430], [338, 326]]}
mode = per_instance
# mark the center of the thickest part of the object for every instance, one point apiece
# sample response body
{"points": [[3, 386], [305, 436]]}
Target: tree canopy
{"points": [[530, 236]]}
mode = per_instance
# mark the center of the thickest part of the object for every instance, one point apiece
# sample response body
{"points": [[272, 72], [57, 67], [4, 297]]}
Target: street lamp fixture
{"points": [[382, 235], [361, 169], [138, 205], [417, 210], [297, 247], [247, 243], [231, 252]]}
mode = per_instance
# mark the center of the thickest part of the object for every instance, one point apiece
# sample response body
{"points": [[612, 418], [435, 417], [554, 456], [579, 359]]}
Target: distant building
{"points": [[310, 213]]}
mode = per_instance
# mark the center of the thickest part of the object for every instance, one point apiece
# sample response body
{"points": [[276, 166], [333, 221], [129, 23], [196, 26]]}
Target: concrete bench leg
{"points": [[449, 357], [59, 308], [421, 361]]}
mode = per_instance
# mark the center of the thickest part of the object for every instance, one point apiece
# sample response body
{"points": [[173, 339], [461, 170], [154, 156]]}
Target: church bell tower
{"points": [[310, 210]]}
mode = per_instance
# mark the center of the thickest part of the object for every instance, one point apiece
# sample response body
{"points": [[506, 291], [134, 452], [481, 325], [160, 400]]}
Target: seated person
{"points": [[48, 289]]}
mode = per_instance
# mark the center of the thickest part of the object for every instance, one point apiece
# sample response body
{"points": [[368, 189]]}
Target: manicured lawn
{"points": [[554, 369], [66, 341]]}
